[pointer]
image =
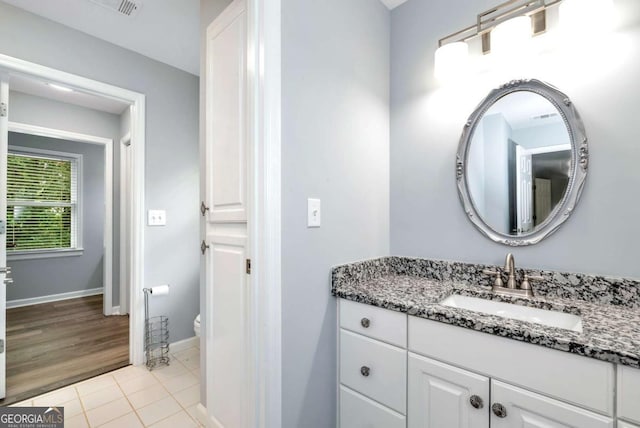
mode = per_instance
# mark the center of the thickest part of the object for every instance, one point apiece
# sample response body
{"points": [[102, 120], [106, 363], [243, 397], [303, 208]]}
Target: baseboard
{"points": [[201, 413], [53, 298], [181, 345]]}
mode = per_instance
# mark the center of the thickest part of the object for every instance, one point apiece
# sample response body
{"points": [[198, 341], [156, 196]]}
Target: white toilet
{"points": [[196, 325]]}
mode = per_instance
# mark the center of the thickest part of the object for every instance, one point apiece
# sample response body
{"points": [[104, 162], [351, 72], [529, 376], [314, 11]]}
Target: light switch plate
{"points": [[313, 212], [157, 218]]}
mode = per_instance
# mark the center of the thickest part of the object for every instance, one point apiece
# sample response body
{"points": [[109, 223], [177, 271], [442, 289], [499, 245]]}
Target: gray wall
{"points": [[171, 252], [39, 111], [426, 121], [335, 146], [43, 277]]}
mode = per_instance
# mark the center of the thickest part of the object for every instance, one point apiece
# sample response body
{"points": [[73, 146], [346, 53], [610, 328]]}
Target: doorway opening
{"points": [[73, 228]]}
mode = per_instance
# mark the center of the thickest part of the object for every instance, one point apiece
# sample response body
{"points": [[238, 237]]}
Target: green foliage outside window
{"points": [[39, 206]]}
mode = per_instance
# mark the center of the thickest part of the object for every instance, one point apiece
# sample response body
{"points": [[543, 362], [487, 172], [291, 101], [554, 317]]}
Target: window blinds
{"points": [[41, 202]]}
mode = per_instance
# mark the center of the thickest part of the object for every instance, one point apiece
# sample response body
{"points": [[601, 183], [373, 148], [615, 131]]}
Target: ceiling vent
{"points": [[123, 7], [545, 116]]}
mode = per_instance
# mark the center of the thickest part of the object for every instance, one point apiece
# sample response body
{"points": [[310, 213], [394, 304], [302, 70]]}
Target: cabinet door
{"points": [[525, 409], [440, 396], [622, 424], [629, 394]]}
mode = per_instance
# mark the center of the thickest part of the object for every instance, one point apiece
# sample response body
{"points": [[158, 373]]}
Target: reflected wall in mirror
{"points": [[522, 162]]}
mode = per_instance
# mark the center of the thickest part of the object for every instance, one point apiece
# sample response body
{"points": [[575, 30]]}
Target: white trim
{"points": [[44, 254], [125, 242], [115, 310], [184, 344], [18, 303], [548, 149], [264, 18], [42, 131], [138, 108], [201, 414]]}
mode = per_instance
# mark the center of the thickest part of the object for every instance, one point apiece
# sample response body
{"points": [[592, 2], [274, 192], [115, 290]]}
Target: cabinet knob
{"points": [[499, 410], [364, 322], [364, 371], [476, 402]]}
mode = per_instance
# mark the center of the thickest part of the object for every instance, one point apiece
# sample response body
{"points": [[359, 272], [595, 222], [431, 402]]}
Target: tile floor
{"points": [[132, 397]]}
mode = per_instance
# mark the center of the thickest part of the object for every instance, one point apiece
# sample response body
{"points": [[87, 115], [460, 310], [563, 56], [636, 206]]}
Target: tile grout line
{"points": [[170, 395], [126, 397]]}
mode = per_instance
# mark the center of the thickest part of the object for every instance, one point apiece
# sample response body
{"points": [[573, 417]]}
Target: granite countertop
{"points": [[610, 332]]}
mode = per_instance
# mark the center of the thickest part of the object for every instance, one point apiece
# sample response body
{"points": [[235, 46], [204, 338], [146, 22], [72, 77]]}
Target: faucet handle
{"points": [[525, 281], [498, 281]]}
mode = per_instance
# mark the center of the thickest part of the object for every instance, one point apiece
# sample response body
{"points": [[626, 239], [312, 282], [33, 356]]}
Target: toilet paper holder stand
{"points": [[156, 336]]}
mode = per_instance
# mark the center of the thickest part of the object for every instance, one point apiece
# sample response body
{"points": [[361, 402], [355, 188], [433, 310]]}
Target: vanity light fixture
{"points": [[451, 60], [511, 36], [511, 16], [578, 17]]}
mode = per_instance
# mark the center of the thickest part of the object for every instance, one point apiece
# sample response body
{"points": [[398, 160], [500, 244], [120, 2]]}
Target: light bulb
{"points": [[451, 61]]}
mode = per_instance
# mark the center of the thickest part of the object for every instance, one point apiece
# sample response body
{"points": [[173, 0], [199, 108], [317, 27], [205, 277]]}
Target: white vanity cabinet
{"points": [[403, 371], [623, 424], [372, 367], [441, 395], [629, 394], [516, 408]]}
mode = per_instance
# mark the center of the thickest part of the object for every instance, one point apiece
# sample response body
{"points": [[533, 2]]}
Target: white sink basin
{"points": [[516, 312]]}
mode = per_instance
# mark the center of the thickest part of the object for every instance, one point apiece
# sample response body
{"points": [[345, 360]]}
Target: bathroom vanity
{"points": [[405, 359]]}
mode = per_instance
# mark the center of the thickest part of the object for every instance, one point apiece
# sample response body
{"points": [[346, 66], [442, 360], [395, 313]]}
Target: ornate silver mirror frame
{"points": [[578, 169]]}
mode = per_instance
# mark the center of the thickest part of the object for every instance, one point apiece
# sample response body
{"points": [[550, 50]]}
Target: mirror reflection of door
{"points": [[524, 201], [519, 163]]}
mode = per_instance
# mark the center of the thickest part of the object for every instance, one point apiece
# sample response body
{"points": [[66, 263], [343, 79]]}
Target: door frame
{"points": [[264, 149], [125, 244], [107, 143], [264, 208], [137, 129]]}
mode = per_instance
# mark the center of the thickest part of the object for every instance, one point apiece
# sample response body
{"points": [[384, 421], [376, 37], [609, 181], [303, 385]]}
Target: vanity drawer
{"points": [[629, 393], [536, 368], [357, 411], [382, 324], [374, 369]]}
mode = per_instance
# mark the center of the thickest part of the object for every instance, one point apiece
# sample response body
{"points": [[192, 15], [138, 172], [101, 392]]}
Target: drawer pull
{"points": [[364, 322], [499, 410], [476, 402], [364, 371]]}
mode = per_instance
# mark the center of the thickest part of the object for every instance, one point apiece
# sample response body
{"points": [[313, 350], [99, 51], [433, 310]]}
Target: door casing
{"points": [[137, 102]]}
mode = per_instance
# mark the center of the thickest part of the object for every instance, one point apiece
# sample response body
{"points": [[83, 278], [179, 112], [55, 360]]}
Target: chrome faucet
{"points": [[510, 269], [512, 288]]}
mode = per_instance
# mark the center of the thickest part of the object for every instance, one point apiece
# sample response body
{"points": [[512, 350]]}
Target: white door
{"points": [[513, 407], [524, 189], [225, 207], [441, 395], [4, 148]]}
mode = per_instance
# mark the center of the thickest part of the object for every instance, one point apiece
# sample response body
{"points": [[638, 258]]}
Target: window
{"points": [[42, 202]]}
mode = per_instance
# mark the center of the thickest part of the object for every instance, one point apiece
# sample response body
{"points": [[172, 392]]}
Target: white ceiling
{"points": [[165, 30], [523, 109], [39, 88]]}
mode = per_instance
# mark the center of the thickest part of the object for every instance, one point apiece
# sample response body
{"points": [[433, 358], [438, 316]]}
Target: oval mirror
{"points": [[522, 161]]}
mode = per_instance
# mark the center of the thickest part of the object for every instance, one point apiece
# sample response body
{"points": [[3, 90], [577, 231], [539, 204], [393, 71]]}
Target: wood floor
{"points": [[56, 344]]}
